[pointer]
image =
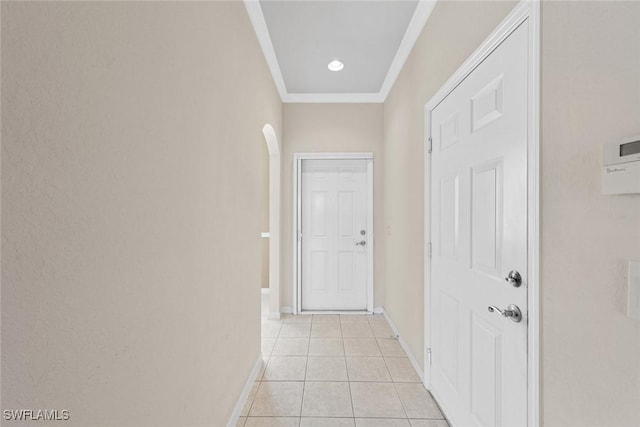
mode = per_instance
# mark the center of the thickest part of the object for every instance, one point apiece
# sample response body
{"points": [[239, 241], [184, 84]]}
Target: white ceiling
{"points": [[372, 37]]}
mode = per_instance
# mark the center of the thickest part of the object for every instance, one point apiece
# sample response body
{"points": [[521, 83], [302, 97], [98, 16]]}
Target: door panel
{"points": [[449, 327], [486, 105], [346, 272], [345, 213], [479, 230], [319, 272], [486, 370], [486, 214], [449, 217], [319, 214], [449, 130], [334, 213]]}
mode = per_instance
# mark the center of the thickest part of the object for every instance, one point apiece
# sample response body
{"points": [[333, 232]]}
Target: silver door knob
{"points": [[514, 279], [512, 312], [362, 243]]}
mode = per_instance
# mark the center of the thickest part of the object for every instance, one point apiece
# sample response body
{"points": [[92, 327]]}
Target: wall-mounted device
{"points": [[621, 167]]}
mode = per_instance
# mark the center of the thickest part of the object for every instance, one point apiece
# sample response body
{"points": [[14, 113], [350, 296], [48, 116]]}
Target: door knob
{"points": [[362, 243], [514, 279], [512, 312]]}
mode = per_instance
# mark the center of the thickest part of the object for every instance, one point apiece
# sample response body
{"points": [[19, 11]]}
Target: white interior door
{"points": [[479, 234], [334, 236]]}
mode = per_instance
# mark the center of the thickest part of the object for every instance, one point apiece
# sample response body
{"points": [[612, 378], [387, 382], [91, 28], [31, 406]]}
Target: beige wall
{"points": [[590, 96], [124, 149], [454, 30], [331, 128]]}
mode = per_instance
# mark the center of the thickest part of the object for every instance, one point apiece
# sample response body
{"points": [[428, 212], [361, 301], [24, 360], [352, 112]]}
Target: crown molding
{"points": [[417, 23], [329, 98], [262, 31]]}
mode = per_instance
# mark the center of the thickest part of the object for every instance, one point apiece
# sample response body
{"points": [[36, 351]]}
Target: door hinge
{"points": [[299, 235], [429, 250], [430, 145], [429, 355]]}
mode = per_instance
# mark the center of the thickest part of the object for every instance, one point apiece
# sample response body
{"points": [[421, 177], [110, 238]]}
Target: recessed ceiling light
{"points": [[335, 65]]}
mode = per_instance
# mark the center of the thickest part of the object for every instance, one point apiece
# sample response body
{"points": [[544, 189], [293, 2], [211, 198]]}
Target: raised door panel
{"points": [[449, 327], [319, 213], [486, 105], [486, 215], [319, 272], [486, 372], [346, 272], [346, 213], [449, 216]]}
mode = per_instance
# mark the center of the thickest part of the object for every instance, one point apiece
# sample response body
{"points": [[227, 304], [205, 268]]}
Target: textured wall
{"points": [[454, 30], [590, 97], [131, 262], [331, 128]]}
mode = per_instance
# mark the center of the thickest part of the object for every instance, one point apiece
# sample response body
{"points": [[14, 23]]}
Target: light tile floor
{"points": [[334, 371]]}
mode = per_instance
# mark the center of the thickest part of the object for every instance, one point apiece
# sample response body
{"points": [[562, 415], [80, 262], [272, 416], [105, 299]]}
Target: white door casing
{"points": [[479, 210], [333, 208]]}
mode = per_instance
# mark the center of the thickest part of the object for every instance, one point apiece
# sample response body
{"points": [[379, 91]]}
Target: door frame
{"points": [[297, 221], [523, 11]]}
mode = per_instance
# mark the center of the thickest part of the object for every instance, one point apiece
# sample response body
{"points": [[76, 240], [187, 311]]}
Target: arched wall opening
{"points": [[274, 220]]}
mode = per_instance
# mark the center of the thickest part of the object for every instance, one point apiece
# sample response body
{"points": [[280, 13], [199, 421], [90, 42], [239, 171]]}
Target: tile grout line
{"points": [[390, 376], [252, 401], [346, 367], [306, 365], [392, 381], [401, 402], [384, 360]]}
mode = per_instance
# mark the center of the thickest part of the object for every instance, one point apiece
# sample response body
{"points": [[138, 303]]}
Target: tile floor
{"points": [[335, 371]]}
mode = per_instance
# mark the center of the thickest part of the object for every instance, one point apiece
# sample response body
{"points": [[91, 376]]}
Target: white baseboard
{"points": [[289, 310], [235, 416], [404, 345], [265, 291], [273, 316]]}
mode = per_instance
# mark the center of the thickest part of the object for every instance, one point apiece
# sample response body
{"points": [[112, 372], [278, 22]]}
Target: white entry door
{"points": [[479, 235], [334, 236]]}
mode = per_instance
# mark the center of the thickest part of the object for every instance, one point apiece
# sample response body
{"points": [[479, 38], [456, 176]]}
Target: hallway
{"points": [[148, 147], [336, 370]]}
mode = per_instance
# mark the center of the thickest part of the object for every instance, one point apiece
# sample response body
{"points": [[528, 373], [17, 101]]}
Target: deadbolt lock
{"points": [[514, 279]]}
